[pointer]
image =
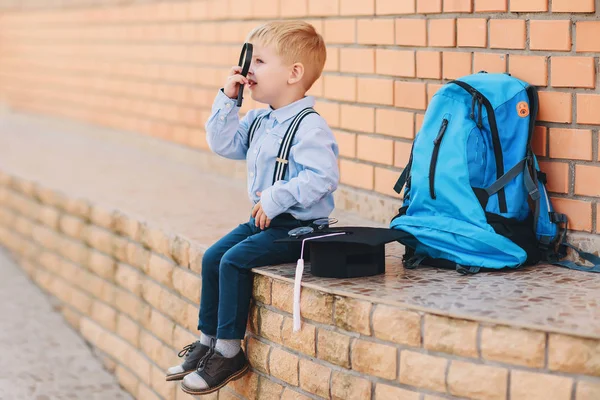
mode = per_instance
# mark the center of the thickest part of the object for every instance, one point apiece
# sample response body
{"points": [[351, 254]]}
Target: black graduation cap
{"points": [[360, 251]]}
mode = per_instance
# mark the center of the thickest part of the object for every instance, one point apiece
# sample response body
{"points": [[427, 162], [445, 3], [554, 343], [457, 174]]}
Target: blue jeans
{"points": [[226, 276]]}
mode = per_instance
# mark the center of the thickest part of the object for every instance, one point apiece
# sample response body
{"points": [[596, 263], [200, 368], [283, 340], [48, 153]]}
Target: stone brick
{"points": [[49, 196], [144, 392], [448, 335], [477, 381], [119, 248], [302, 341], [127, 380], [588, 390], [46, 237], [162, 327], [262, 289], [180, 250], [314, 378], [129, 304], [534, 386], [150, 345], [189, 320], [258, 355], [282, 296], [102, 265], [81, 302], [156, 240], [72, 317], [128, 329], [162, 387], [289, 394], [187, 284], [137, 256], [349, 387], [423, 371], [284, 366], [72, 250], [102, 217], [182, 337], [513, 346], [196, 255], [49, 216], [252, 326], [268, 389], [352, 315], [334, 347], [129, 278], [77, 207], [247, 386], [98, 238], [316, 306], [178, 310], [50, 261], [385, 392], [270, 325], [104, 315], [24, 226], [161, 270], [374, 359], [576, 355], [396, 325], [126, 225], [71, 226]]}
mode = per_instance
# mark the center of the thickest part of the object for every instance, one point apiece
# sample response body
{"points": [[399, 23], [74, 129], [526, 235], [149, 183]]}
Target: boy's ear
{"points": [[296, 73]]}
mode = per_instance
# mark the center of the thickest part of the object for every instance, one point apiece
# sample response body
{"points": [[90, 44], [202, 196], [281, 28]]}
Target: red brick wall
{"points": [[154, 68]]}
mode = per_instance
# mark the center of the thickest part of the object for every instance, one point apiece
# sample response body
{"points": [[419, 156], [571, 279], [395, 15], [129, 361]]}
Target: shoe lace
{"points": [[187, 350], [204, 361]]}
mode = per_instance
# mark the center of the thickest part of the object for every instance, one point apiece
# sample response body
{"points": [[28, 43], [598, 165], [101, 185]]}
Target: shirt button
{"points": [[228, 105], [255, 151], [251, 174], [222, 118], [280, 140]]}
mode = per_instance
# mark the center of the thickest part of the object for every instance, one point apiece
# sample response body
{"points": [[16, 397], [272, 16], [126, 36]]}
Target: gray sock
{"points": [[229, 348], [206, 339]]}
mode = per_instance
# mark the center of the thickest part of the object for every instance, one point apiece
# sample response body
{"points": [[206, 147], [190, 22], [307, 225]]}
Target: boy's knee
{"points": [[210, 261]]}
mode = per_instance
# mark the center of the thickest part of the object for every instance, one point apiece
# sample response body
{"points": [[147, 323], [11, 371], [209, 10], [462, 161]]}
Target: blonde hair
{"points": [[294, 41]]}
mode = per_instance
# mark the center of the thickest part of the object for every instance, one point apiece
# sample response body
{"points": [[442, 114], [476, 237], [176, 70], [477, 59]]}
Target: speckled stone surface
{"points": [[169, 186]]}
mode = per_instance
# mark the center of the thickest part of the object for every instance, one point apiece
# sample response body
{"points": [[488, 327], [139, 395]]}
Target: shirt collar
{"points": [[284, 113]]}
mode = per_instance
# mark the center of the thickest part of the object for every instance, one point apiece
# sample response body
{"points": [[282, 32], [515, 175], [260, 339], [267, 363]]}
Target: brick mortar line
{"points": [[99, 325], [194, 305], [25, 76], [129, 114], [336, 368], [504, 15], [339, 46], [447, 356], [161, 341], [114, 284]]}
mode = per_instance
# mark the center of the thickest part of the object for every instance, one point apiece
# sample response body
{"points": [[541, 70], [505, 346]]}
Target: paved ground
{"points": [[41, 357]]}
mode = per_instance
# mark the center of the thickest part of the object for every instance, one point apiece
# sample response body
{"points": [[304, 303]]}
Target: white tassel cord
{"points": [[298, 279]]}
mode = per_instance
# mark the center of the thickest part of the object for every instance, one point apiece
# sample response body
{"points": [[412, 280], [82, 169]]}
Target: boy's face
{"points": [[268, 75]]}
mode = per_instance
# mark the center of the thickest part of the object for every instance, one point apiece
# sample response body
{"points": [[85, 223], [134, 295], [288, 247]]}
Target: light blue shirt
{"points": [[312, 176]]}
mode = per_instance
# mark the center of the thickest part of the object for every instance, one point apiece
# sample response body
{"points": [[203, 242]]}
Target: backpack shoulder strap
{"points": [[286, 144]]}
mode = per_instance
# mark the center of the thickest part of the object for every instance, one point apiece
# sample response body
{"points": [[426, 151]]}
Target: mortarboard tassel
{"points": [[298, 279]]}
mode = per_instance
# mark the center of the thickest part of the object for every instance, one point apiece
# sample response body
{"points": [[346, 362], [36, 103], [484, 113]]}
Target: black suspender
{"points": [[281, 162]]}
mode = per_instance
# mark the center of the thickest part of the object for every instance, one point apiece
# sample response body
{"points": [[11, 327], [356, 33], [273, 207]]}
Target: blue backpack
{"points": [[474, 196]]}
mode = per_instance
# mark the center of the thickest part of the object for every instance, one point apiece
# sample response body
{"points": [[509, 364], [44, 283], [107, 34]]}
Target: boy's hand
{"points": [[234, 80], [259, 215]]}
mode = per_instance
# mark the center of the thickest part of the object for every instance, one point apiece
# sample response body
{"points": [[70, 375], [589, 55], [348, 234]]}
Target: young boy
{"points": [[287, 192]]}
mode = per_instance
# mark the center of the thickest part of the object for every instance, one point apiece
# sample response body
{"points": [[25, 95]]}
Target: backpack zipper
{"points": [[436, 149], [495, 137]]}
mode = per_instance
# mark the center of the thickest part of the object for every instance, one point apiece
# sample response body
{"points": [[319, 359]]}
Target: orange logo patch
{"points": [[523, 109]]}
